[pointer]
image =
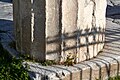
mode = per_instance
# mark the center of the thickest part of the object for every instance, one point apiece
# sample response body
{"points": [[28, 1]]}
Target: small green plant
{"points": [[71, 60], [27, 57], [11, 68], [114, 78], [48, 63]]}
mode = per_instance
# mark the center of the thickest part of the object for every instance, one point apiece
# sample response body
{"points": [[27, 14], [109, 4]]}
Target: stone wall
{"points": [[54, 29]]}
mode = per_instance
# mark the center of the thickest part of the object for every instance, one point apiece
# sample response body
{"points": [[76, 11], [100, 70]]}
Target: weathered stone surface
{"points": [[109, 57], [53, 30], [91, 24], [38, 44], [6, 11], [69, 27], [115, 2], [105, 65], [101, 68]]}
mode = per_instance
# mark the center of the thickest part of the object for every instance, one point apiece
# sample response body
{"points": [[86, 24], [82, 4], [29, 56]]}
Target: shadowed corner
{"points": [[113, 12], [7, 36], [3, 21], [6, 31], [6, 26], [7, 1]]}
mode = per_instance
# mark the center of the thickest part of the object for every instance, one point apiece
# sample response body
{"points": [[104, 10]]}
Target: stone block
{"points": [[55, 29]]}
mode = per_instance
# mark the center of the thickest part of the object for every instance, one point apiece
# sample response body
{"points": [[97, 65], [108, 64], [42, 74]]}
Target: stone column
{"points": [[55, 29]]}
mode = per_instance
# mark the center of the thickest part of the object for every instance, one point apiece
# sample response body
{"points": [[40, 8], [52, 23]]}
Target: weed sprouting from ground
{"points": [[11, 68]]}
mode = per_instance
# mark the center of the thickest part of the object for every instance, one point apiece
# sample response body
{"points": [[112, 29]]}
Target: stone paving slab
{"points": [[115, 2], [6, 10], [106, 64]]}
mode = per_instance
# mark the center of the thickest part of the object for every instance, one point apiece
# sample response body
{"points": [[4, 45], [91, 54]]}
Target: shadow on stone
{"points": [[6, 25], [8, 1], [5, 21], [6, 30], [109, 35], [113, 12]]}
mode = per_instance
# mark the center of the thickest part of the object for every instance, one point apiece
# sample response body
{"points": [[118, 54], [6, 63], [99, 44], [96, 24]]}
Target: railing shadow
{"points": [[112, 36], [110, 51]]}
